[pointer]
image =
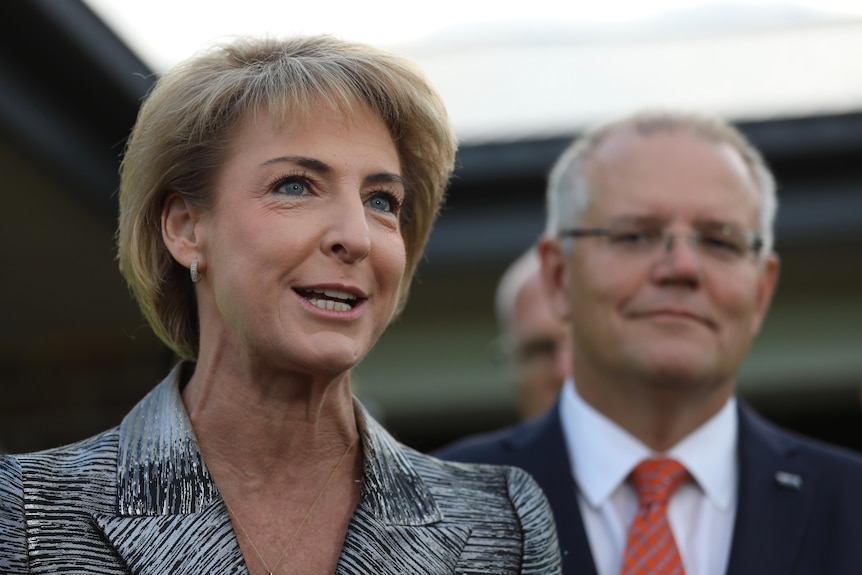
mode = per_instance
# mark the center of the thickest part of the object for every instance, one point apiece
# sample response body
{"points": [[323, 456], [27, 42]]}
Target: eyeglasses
{"points": [[720, 242]]}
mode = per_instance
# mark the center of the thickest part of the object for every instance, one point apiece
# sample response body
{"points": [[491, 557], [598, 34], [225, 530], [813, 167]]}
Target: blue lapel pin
{"points": [[788, 480]]}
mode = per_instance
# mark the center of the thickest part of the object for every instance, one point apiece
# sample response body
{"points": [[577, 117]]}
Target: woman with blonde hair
{"points": [[275, 198]]}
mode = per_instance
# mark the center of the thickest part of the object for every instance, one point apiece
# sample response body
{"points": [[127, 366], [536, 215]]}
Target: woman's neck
{"points": [[253, 421]]}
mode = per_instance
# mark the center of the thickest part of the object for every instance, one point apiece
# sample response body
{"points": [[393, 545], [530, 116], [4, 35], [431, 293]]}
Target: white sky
{"points": [[538, 68], [165, 31]]}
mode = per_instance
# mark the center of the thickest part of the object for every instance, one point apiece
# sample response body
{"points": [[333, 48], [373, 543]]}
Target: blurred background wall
{"points": [[75, 353]]}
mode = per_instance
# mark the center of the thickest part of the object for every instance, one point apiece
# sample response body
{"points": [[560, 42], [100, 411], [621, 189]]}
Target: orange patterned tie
{"points": [[651, 549]]}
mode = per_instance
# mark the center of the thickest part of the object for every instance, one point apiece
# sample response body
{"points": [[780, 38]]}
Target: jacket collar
{"points": [[160, 469], [171, 517], [392, 489], [776, 492]]}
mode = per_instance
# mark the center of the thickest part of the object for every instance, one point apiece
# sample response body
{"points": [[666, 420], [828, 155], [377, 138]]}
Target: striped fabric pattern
{"points": [[651, 548], [139, 499]]}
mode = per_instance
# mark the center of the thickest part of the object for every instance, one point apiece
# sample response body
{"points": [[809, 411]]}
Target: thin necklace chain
{"points": [[301, 523]]}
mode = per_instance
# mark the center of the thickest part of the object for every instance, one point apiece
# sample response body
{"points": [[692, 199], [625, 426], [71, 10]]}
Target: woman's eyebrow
{"points": [[304, 161], [386, 178], [318, 166]]}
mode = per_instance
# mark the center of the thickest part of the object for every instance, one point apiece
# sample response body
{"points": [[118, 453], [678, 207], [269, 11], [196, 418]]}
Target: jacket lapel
{"points": [[775, 494], [202, 542], [376, 546], [398, 527], [170, 517], [775, 499]]}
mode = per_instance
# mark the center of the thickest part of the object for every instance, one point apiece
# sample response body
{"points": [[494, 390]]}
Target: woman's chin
{"points": [[328, 363]]}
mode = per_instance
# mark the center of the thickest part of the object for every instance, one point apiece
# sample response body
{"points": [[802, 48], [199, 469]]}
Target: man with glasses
{"points": [[532, 337], [658, 251]]}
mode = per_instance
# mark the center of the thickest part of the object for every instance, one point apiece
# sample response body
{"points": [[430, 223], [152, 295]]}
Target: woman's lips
{"points": [[331, 299]]}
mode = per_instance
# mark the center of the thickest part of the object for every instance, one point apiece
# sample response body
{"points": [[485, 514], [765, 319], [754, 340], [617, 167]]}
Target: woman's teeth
{"points": [[338, 294], [330, 305], [330, 299]]}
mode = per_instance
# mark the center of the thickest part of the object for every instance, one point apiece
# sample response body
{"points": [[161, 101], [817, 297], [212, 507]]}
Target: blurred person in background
{"points": [[658, 250], [275, 198], [532, 337]]}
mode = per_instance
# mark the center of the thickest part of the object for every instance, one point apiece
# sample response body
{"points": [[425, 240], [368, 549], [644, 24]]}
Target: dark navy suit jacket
{"points": [[799, 510]]}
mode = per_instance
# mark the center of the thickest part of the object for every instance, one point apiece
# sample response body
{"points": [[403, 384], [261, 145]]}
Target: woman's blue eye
{"points": [[291, 187], [382, 202]]}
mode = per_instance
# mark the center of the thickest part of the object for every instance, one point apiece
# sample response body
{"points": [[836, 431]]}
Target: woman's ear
{"points": [[180, 229]]}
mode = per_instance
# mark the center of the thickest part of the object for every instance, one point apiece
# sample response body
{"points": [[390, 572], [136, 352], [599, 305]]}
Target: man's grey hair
{"points": [[568, 193]]}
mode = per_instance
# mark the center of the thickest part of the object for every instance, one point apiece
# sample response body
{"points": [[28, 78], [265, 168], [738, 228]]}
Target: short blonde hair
{"points": [[569, 193], [184, 130]]}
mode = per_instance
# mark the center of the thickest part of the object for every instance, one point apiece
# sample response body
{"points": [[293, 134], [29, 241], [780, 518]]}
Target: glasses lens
{"points": [[634, 239], [724, 242]]}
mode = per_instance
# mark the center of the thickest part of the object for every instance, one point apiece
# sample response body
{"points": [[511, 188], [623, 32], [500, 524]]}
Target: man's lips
{"points": [[332, 298], [674, 314]]}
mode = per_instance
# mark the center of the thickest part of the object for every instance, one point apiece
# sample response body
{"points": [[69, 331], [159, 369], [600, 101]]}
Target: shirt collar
{"points": [[709, 453]]}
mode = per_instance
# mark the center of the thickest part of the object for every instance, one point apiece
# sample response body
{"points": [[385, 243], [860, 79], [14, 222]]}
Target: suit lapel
{"points": [[170, 517], [375, 546], [202, 542], [398, 527], [775, 494], [775, 499], [392, 490], [541, 450]]}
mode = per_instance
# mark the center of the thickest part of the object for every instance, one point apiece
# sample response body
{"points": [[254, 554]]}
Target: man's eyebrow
{"points": [[715, 223], [639, 220], [656, 220]]}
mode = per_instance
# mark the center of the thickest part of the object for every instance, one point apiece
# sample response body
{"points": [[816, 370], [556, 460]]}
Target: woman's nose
{"points": [[348, 236]]}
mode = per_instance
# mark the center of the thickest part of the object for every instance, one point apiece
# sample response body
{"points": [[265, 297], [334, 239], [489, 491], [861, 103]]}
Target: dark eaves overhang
{"points": [[780, 140], [69, 94], [496, 204]]}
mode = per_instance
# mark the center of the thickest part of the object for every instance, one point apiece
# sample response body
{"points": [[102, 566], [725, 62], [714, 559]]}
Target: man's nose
{"points": [[680, 259]]}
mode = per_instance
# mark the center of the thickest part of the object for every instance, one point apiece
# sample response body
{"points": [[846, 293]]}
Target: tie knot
{"points": [[656, 479]]}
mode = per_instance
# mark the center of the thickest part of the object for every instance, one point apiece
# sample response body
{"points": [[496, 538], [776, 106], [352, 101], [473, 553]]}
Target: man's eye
{"points": [[721, 243], [634, 237]]}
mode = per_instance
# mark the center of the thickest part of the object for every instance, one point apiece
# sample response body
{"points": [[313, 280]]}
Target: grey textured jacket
{"points": [[139, 499]]}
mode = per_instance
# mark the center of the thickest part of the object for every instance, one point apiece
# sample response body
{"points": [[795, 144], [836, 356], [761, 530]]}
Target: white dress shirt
{"points": [[701, 512]]}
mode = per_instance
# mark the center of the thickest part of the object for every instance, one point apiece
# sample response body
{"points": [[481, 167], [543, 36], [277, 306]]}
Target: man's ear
{"points": [[180, 229], [553, 260], [766, 289]]}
